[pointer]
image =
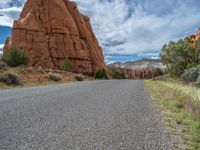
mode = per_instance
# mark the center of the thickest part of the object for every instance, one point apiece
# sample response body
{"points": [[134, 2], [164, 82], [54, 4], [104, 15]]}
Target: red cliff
{"points": [[141, 69], [53, 30]]}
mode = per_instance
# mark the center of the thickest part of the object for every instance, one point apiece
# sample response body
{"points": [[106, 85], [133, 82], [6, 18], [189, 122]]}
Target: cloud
{"points": [[9, 11], [132, 26], [12, 12], [1, 46], [110, 42]]}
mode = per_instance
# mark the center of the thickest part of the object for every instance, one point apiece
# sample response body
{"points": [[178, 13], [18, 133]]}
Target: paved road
{"points": [[97, 115]]}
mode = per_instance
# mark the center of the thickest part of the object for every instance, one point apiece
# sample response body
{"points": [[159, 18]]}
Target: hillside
{"points": [[140, 69], [140, 64]]}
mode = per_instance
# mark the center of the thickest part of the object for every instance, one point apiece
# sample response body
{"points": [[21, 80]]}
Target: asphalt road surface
{"points": [[95, 115]]}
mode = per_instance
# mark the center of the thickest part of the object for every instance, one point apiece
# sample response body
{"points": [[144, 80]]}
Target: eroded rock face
{"points": [[196, 37], [144, 73], [52, 30], [142, 69]]}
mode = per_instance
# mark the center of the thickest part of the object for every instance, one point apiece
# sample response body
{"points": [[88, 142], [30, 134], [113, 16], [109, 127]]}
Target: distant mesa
{"points": [[53, 30], [141, 69]]}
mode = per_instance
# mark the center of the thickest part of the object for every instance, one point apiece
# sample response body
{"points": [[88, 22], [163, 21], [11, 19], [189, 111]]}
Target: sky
{"points": [[127, 30]]}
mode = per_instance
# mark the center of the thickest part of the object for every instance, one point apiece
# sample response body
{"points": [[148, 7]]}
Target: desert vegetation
{"points": [[182, 58], [55, 77], [180, 106], [178, 95], [66, 65], [15, 57], [10, 79], [79, 78], [101, 74], [115, 74]]}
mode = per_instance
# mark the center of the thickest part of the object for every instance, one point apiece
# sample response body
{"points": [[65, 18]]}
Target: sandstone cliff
{"points": [[142, 69], [52, 30]]}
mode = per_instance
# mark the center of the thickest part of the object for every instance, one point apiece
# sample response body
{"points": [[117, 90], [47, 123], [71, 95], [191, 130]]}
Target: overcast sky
{"points": [[126, 29]]}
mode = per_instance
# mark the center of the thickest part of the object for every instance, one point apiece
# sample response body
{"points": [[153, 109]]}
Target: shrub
{"points": [[101, 74], [66, 65], [54, 77], [179, 56], [11, 79], [198, 82], [3, 66], [191, 74], [1, 55], [117, 75], [157, 72], [15, 57], [78, 78]]}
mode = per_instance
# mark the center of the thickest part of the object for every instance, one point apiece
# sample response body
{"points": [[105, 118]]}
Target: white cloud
{"points": [[12, 12], [148, 54], [140, 25], [6, 21], [1, 46], [9, 11]]}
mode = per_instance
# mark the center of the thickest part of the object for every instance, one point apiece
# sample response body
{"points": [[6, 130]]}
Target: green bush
{"points": [[198, 82], [117, 75], [66, 65], [78, 78], [11, 79], [15, 57], [179, 56], [191, 74], [101, 74], [54, 77], [3, 66], [1, 55], [157, 72]]}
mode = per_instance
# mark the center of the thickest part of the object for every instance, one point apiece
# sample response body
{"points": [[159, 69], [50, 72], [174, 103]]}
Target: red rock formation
{"points": [[146, 73], [140, 73], [141, 69], [52, 30], [196, 37]]}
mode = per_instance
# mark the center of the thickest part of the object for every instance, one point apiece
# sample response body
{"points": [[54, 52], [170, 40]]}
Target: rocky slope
{"points": [[53, 30], [141, 69]]}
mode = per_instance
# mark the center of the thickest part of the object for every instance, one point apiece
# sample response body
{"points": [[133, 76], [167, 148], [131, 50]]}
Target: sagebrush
{"points": [[66, 65], [101, 74], [15, 57]]}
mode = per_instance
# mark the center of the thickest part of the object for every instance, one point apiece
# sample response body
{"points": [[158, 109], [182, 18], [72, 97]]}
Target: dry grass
{"points": [[37, 76], [180, 106]]}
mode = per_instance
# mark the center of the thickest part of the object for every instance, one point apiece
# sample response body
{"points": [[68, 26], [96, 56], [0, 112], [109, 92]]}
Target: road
{"points": [[94, 115]]}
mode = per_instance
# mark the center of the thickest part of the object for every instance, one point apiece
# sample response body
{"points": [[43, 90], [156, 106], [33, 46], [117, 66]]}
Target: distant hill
{"points": [[140, 64], [141, 69]]}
